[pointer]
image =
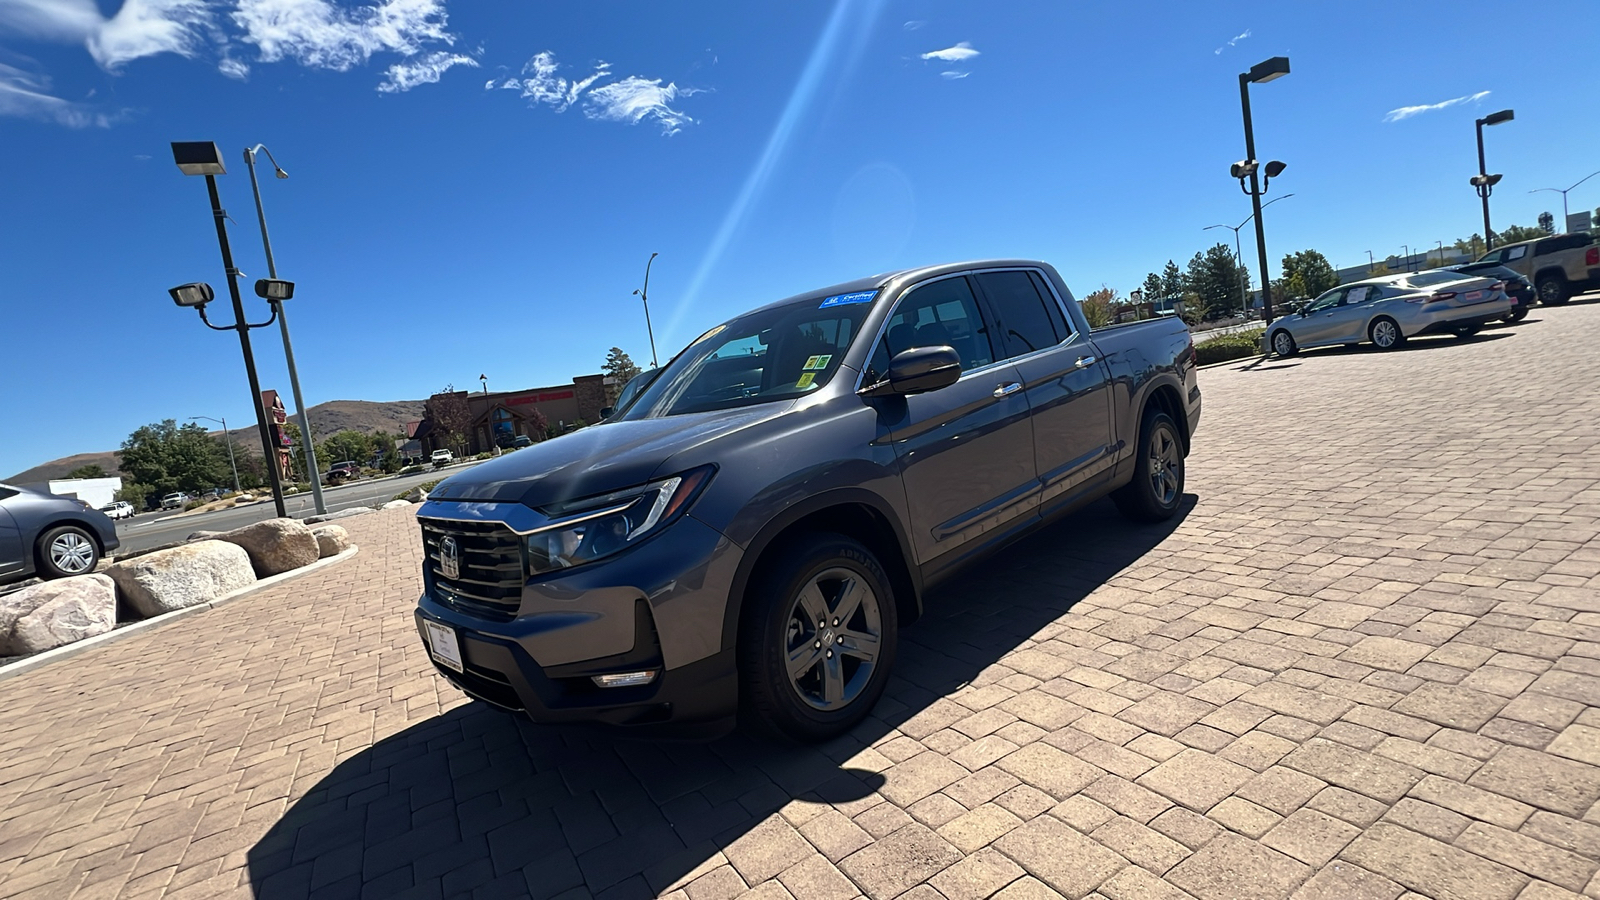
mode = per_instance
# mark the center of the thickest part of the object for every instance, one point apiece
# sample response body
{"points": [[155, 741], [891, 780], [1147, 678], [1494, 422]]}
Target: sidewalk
{"points": [[1364, 662]]}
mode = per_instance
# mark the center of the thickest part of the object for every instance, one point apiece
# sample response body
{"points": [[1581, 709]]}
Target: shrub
{"points": [[427, 488], [194, 504], [412, 470], [1238, 345]]}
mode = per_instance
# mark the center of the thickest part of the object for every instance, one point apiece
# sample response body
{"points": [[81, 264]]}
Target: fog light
{"points": [[625, 679]]}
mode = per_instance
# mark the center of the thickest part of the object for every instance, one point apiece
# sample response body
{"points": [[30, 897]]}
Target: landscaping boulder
{"points": [[47, 615], [182, 576], [415, 495], [275, 546], [202, 535], [331, 540], [396, 504]]}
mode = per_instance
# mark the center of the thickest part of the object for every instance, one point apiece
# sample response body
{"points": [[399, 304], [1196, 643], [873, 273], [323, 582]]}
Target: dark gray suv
{"points": [[50, 536], [752, 531]]}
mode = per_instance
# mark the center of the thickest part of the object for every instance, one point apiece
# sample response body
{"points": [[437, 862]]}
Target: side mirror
{"points": [[606, 412], [917, 371]]}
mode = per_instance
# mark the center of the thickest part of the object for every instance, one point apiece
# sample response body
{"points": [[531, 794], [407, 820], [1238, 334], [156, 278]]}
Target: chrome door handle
{"points": [[1084, 361], [1007, 390]]}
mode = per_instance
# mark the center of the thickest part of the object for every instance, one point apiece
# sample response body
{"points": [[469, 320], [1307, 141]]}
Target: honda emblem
{"points": [[449, 558]]}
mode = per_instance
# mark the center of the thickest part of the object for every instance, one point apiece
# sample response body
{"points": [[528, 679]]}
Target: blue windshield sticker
{"points": [[842, 299]]}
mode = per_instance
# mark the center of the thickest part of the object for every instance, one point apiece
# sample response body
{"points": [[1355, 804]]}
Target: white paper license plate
{"points": [[442, 644]]}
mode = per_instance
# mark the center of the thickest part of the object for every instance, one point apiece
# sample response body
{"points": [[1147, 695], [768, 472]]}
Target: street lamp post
{"points": [[313, 472], [1238, 257], [203, 158], [1371, 263], [1407, 248], [644, 294], [1483, 181], [1563, 193], [228, 440], [1261, 73]]}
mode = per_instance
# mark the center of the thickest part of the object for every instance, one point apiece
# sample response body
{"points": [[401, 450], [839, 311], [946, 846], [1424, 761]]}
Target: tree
{"points": [[451, 415], [348, 444], [1216, 279], [90, 471], [1097, 306], [168, 457], [1168, 284], [538, 425], [1307, 274], [1547, 223], [620, 369], [1473, 246], [1594, 220], [134, 493], [1518, 233]]}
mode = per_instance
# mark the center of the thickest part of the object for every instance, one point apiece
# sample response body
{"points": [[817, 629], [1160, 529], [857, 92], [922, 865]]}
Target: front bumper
{"points": [[658, 606]]}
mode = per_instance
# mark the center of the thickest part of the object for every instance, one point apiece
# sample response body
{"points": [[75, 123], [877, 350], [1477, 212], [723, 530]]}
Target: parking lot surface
{"points": [[1364, 662]]}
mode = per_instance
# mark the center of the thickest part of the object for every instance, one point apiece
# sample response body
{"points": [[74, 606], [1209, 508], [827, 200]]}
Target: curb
{"points": [[66, 651]]}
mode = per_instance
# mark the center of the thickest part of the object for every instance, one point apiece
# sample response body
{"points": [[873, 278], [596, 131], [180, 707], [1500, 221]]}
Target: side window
{"points": [[1025, 323], [942, 313], [1514, 253], [1327, 301], [1052, 306]]}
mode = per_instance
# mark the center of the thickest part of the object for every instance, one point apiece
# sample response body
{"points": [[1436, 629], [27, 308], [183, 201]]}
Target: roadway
{"points": [[155, 529]]}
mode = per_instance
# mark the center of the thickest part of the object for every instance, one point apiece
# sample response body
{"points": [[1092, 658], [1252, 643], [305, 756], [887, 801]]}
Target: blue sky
{"points": [[476, 186]]}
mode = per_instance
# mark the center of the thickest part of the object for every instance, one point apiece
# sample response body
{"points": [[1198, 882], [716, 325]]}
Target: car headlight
{"points": [[596, 527]]}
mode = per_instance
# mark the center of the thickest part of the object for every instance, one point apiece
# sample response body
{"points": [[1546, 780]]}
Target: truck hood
{"points": [[597, 459]]}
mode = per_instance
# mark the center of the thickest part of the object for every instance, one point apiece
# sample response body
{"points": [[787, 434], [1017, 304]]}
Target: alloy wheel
{"points": [[833, 639], [1282, 343], [1165, 464], [1385, 334], [72, 553]]}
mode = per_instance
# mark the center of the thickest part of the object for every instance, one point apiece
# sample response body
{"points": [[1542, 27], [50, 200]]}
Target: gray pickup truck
{"points": [[745, 539]]}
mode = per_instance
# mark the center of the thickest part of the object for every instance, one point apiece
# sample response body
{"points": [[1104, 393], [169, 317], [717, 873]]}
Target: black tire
{"points": [[1467, 331], [1157, 486], [771, 633], [1282, 344], [66, 550], [1385, 334], [1553, 291], [1516, 315]]}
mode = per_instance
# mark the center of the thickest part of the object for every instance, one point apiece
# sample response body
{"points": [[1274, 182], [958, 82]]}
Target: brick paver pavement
{"points": [[1364, 664]]}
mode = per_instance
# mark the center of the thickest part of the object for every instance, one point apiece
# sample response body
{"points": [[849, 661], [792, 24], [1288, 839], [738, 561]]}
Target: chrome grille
{"points": [[489, 559]]}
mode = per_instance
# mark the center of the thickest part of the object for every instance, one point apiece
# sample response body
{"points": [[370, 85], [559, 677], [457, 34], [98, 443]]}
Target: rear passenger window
{"points": [[1025, 321]]}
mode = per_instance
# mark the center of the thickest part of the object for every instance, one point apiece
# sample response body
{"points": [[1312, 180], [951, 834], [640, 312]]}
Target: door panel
{"points": [[12, 553]]}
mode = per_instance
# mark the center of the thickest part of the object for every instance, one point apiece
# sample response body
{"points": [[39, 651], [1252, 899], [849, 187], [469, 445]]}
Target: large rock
{"points": [[331, 540], [275, 546], [182, 576], [57, 612], [416, 495]]}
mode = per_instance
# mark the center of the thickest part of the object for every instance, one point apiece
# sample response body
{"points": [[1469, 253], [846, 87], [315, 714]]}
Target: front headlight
{"points": [[596, 527]]}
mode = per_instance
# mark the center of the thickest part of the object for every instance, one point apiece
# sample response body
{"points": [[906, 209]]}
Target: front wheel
{"points": [[67, 550], [1157, 483], [1283, 343], [817, 639], [1385, 334]]}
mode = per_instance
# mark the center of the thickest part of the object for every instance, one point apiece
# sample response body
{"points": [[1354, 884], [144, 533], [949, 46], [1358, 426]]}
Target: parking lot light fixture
{"points": [[203, 158], [274, 291], [1261, 73], [1484, 182], [227, 440], [644, 294], [1238, 257], [1563, 193]]}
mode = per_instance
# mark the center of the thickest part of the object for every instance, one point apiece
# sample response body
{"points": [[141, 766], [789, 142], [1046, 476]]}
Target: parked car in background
{"points": [[1518, 287], [750, 534], [442, 458], [520, 441], [1559, 266], [121, 509], [339, 472], [1389, 310], [50, 536], [174, 501]]}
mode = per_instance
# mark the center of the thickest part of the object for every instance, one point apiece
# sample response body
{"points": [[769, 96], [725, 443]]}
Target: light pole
{"points": [[644, 294], [1563, 193], [313, 473], [228, 439], [203, 158], [494, 442], [1407, 249], [1238, 258], [1441, 251], [1371, 263], [1483, 181], [1261, 73]]}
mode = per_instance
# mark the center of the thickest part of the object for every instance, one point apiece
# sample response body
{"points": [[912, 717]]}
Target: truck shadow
{"points": [[477, 801]]}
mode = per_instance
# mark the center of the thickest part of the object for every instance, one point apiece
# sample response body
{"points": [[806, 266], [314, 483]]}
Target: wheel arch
{"points": [[86, 528], [1549, 272], [1165, 397], [856, 513]]}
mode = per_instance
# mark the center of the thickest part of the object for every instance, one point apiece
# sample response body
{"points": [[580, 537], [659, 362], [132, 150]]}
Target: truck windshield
{"points": [[777, 353]]}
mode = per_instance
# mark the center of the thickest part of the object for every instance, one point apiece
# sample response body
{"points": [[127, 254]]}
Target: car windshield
{"points": [[776, 353]]}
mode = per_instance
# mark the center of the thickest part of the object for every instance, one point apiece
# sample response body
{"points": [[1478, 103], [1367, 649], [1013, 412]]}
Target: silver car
{"points": [[1388, 310], [50, 536]]}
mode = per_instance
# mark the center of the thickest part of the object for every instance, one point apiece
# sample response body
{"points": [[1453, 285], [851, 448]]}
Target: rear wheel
{"points": [[1283, 343], [1385, 334], [1516, 315], [1157, 484], [67, 550], [1466, 331], [817, 639], [1553, 290]]}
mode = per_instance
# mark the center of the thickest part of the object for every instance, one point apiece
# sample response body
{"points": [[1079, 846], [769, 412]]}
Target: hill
{"points": [[326, 419]]}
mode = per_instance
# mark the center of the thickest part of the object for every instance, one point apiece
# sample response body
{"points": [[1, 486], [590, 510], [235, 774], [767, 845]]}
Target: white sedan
{"points": [[1388, 310]]}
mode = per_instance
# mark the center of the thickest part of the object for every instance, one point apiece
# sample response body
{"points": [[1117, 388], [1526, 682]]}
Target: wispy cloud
{"points": [[140, 28], [1232, 42], [632, 100], [914, 25], [959, 53], [426, 68], [319, 34], [1406, 112], [27, 95], [953, 74]]}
